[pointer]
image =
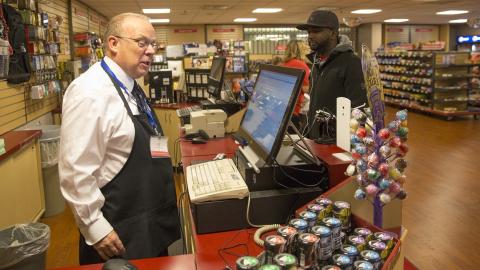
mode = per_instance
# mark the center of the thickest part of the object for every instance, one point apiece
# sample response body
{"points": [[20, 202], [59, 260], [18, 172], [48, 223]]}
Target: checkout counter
{"points": [[213, 251]]}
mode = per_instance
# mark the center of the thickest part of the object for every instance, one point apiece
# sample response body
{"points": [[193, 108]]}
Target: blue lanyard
{"points": [[143, 103]]}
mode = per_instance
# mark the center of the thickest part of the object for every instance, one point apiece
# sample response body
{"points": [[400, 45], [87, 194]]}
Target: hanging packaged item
{"points": [[4, 56], [26, 4], [19, 69]]}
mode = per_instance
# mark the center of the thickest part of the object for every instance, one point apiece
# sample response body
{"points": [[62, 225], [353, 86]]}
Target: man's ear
{"points": [[112, 44]]}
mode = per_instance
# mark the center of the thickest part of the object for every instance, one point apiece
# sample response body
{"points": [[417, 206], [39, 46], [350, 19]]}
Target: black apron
{"points": [[140, 201]]}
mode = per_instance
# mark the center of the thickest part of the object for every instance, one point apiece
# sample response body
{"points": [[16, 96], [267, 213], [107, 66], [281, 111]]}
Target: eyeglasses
{"points": [[143, 43]]}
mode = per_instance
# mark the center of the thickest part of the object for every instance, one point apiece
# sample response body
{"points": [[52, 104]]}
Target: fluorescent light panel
{"points": [[156, 10], [396, 20], [159, 20], [452, 12], [366, 11], [458, 21], [245, 19], [267, 10]]}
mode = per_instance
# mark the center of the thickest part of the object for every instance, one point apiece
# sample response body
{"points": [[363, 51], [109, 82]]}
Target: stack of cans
{"points": [[322, 238]]}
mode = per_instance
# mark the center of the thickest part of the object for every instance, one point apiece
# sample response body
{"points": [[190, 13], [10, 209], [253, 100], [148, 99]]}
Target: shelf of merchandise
{"points": [[438, 83]]}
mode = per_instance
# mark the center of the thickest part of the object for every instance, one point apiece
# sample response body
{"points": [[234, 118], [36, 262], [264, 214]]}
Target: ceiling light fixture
{"points": [[366, 11], [396, 20], [245, 19], [267, 10], [156, 10], [458, 21], [159, 20], [452, 12]]}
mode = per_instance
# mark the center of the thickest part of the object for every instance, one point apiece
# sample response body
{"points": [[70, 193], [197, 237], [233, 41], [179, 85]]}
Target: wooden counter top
{"points": [[15, 140], [173, 105]]}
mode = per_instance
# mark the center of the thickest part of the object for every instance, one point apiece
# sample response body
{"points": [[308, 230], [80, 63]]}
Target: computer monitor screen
{"points": [[269, 109], [215, 78]]}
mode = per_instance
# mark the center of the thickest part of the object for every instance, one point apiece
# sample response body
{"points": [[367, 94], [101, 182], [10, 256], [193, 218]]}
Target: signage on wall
{"points": [[223, 30], [394, 29], [80, 13], [468, 39], [423, 30], [185, 30]]}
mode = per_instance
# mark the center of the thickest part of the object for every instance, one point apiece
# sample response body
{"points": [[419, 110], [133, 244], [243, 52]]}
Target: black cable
{"points": [[295, 179], [181, 214], [225, 249]]}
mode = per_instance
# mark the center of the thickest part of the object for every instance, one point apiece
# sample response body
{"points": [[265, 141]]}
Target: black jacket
{"points": [[339, 76]]}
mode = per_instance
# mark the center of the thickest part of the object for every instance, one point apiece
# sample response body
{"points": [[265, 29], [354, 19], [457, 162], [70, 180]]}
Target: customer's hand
{"points": [[109, 246]]}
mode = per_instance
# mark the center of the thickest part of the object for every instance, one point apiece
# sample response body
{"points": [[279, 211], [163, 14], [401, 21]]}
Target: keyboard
{"points": [[185, 111], [215, 180]]}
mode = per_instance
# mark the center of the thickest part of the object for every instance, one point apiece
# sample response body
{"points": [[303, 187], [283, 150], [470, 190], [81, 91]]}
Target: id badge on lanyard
{"points": [[159, 147]]}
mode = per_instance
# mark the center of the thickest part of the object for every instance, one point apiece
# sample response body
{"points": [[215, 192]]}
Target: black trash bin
{"points": [[24, 246]]}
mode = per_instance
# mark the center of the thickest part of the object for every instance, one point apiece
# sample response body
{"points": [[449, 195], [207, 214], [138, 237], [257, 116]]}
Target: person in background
{"points": [[293, 58], [277, 60], [336, 70], [122, 198]]}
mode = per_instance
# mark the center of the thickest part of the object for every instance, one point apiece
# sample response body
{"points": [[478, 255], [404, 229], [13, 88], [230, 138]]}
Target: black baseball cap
{"points": [[321, 18]]}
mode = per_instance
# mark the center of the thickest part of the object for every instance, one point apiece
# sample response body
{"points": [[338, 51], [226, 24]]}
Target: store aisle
{"points": [[441, 211]]}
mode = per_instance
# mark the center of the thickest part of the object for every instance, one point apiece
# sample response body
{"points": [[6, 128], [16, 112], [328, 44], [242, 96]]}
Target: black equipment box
{"points": [[292, 164], [228, 107], [161, 86], [266, 207]]}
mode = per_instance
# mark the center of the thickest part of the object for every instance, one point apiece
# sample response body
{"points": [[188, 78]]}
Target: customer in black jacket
{"points": [[336, 70]]}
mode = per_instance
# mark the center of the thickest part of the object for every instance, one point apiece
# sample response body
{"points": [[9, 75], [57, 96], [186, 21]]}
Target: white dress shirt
{"points": [[96, 139]]}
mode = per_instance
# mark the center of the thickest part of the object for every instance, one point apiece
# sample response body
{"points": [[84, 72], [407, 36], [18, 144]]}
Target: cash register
{"points": [[279, 179]]}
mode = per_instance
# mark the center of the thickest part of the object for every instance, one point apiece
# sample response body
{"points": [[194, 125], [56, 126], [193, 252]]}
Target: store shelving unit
{"points": [[433, 82]]}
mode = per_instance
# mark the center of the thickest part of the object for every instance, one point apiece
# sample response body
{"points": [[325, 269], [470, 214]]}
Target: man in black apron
{"points": [[139, 202]]}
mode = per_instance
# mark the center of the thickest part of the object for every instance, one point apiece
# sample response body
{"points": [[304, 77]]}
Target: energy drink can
{"points": [[306, 249], [324, 246], [364, 232], [326, 203], [350, 251], [309, 217], [288, 233], [316, 208], [379, 247], [269, 267], [299, 224], [342, 211], [342, 261], [385, 238], [286, 261], [335, 225], [247, 263], [362, 265], [357, 241], [273, 244], [372, 257]]}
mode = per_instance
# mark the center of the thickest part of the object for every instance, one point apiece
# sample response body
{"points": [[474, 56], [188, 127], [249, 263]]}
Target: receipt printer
{"points": [[211, 121]]}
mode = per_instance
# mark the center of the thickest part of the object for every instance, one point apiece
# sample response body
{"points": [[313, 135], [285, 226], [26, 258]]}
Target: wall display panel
{"points": [[180, 34], [12, 107], [224, 32]]}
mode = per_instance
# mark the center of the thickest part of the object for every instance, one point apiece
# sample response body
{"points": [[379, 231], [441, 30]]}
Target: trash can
{"points": [[24, 246], [49, 146]]}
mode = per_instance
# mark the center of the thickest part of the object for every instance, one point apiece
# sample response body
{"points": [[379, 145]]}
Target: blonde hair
{"points": [[294, 51], [115, 26]]}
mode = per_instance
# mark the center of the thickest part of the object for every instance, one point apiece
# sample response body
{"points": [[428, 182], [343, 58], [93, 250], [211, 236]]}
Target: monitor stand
{"points": [[301, 146]]}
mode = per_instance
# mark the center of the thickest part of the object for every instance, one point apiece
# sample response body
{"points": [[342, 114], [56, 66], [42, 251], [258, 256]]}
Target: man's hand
{"points": [[109, 246]]}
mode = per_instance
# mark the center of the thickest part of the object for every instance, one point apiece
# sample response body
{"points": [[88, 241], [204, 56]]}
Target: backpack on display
{"points": [[19, 69], [5, 49]]}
